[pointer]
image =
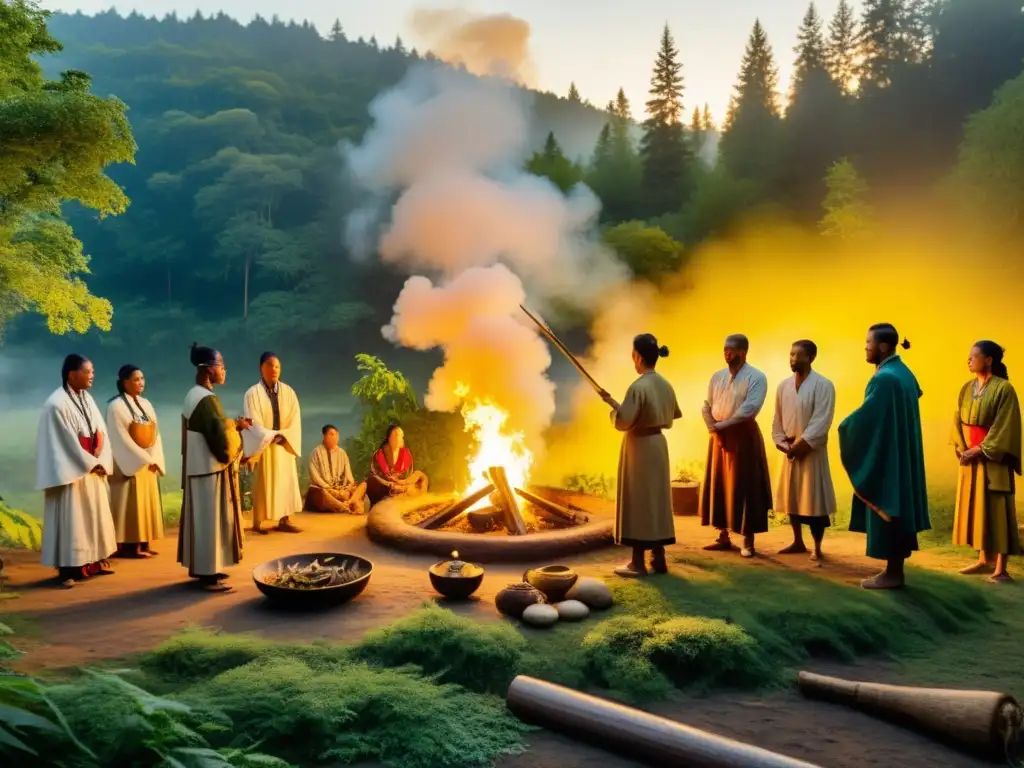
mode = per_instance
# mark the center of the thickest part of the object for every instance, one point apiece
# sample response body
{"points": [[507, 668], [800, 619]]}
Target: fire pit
{"points": [[496, 522]]}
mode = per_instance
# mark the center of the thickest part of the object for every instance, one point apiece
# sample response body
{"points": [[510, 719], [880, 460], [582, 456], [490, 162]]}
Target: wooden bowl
{"points": [[318, 597], [456, 587]]}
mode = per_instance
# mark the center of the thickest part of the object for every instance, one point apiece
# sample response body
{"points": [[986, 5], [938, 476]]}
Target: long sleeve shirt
{"points": [[734, 399]]}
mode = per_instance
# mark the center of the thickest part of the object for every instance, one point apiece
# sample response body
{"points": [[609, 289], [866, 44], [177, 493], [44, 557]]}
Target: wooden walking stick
{"points": [[550, 335]]}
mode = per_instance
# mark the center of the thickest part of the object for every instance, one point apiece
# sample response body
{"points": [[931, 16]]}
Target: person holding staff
{"points": [[881, 449], [138, 464], [643, 504], [73, 460], [987, 440], [210, 536]]}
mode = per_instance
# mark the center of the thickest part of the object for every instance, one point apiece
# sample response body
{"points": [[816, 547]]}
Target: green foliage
{"points": [[18, 529], [30, 722], [691, 472], [602, 486], [649, 252], [615, 169], [847, 213], [718, 204], [482, 658], [552, 163], [57, 140]]}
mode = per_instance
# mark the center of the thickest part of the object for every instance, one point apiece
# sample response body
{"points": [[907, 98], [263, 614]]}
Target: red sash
{"points": [[975, 435], [402, 465], [91, 445]]}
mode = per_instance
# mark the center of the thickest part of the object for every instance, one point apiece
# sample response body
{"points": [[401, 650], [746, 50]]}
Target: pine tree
{"points": [[337, 33], [667, 160], [841, 48], [881, 42], [620, 107], [708, 124], [752, 124], [399, 47], [574, 95], [918, 28], [615, 171], [602, 150], [809, 50], [696, 125], [373, 43], [552, 163]]}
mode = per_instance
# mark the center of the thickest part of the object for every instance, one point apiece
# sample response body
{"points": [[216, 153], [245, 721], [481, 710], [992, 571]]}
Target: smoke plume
{"points": [[448, 201], [487, 45]]}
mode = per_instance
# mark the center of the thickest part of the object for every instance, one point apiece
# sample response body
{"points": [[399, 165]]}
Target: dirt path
{"points": [[147, 601]]}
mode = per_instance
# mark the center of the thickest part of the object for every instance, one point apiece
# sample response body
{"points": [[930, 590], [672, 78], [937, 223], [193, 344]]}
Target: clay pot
{"points": [[516, 598], [553, 580], [143, 435], [685, 499]]}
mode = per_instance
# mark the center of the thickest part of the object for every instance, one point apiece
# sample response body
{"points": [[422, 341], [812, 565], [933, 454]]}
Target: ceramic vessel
{"points": [[553, 580], [455, 579], [516, 598]]}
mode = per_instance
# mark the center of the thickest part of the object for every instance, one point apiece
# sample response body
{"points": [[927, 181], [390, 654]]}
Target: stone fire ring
{"points": [[386, 525]]}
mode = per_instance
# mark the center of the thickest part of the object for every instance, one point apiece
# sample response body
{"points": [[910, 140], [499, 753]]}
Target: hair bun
{"points": [[662, 351], [905, 343]]}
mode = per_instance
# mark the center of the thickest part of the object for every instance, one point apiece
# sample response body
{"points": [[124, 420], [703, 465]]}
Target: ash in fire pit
{"points": [[505, 514]]}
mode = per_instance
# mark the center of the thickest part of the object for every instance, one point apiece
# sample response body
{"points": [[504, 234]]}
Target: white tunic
{"points": [[805, 485], [330, 469], [732, 399], [128, 456], [78, 528], [275, 483]]}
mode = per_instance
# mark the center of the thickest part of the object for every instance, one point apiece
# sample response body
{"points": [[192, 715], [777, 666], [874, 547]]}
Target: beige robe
{"points": [[330, 469], [805, 488], [134, 488], [77, 525], [275, 482], [643, 506], [210, 536]]}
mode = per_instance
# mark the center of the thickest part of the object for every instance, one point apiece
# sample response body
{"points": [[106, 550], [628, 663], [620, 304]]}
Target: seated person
{"points": [[391, 470], [331, 485]]}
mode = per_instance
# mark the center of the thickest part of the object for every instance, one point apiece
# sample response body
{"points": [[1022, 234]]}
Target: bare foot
{"points": [[722, 545], [288, 527], [978, 567], [817, 557], [630, 571], [884, 580], [1001, 578], [796, 548]]}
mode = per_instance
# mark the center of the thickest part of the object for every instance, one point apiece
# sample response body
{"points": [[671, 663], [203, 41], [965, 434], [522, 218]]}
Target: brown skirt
{"points": [[737, 493]]}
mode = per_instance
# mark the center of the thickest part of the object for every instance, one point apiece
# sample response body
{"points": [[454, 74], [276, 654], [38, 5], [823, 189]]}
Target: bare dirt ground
{"points": [[147, 601]]}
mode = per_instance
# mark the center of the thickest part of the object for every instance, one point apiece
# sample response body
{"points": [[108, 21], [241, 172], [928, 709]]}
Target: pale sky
{"points": [[599, 44]]}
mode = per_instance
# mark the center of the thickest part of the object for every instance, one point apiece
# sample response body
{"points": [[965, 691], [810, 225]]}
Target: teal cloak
{"points": [[881, 449]]}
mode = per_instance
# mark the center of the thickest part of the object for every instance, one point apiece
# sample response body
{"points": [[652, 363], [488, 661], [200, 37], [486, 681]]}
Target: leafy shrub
{"points": [[600, 486], [19, 530]]}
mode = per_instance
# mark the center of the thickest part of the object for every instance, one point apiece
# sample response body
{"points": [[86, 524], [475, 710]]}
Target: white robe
{"points": [[128, 456], [275, 482], [78, 528], [805, 485]]}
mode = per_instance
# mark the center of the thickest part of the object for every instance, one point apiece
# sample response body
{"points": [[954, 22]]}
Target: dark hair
{"points": [[993, 350], [266, 356], [809, 347], [885, 333], [387, 434], [202, 357], [123, 374], [72, 363], [327, 428], [647, 347], [738, 341]]}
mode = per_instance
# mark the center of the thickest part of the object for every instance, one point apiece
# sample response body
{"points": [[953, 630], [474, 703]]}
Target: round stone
{"points": [[572, 610], [593, 593], [540, 615]]}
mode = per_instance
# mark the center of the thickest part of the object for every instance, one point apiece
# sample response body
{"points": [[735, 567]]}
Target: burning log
{"points": [[483, 520], [513, 518], [456, 509], [558, 512]]}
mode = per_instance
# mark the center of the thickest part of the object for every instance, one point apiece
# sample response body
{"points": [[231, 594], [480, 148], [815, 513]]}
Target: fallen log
{"points": [[557, 511], [512, 516], [983, 722], [456, 509], [484, 519], [654, 740]]}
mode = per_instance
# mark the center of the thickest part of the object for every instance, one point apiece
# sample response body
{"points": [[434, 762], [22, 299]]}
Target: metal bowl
{"points": [[319, 597], [456, 587]]}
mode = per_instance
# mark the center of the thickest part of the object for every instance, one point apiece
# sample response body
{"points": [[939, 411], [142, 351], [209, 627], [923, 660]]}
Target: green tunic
{"points": [[985, 518], [881, 449]]}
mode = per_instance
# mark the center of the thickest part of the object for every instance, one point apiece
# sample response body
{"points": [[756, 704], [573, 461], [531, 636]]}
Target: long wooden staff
{"points": [[564, 350]]}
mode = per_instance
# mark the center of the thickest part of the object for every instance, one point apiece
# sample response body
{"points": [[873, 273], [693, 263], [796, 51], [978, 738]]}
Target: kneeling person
{"points": [[332, 488]]}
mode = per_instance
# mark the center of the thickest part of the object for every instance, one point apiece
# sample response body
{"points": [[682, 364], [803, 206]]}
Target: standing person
{"points": [[138, 464], [210, 536], [391, 469], [73, 460], [987, 437], [643, 504], [881, 449], [272, 405], [737, 494], [805, 405], [332, 488]]}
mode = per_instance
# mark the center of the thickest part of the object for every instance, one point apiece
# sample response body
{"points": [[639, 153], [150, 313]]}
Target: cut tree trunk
{"points": [[485, 519], [454, 510], [513, 518], [555, 511]]}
